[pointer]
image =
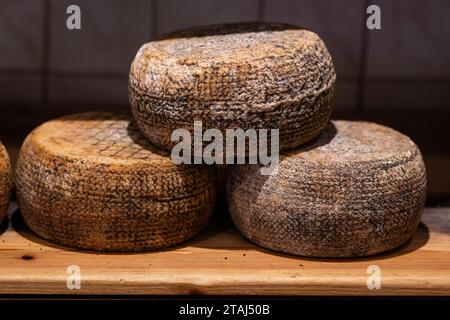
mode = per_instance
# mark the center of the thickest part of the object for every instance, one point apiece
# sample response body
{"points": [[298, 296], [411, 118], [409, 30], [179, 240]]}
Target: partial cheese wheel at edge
{"points": [[6, 181]]}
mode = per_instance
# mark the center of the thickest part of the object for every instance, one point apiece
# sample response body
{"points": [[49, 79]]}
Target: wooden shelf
{"points": [[222, 262]]}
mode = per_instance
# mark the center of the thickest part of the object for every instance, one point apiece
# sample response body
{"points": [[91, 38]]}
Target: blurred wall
{"points": [[45, 65]]}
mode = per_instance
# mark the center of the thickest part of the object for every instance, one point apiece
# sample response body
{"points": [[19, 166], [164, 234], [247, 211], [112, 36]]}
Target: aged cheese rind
{"points": [[246, 75], [92, 181], [6, 181], [358, 190]]}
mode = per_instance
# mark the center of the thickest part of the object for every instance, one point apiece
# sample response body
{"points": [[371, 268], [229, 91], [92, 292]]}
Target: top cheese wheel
{"points": [[359, 189], [92, 181], [6, 181], [245, 75]]}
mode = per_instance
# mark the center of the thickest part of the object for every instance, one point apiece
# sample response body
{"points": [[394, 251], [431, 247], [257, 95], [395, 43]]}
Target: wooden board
{"points": [[220, 261]]}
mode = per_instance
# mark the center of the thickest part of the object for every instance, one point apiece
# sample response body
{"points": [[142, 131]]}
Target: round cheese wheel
{"points": [[6, 181], [245, 75], [92, 181], [358, 190]]}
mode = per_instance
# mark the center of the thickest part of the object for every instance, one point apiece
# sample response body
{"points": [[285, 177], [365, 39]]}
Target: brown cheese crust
{"points": [[6, 181], [92, 181], [358, 190], [246, 75]]}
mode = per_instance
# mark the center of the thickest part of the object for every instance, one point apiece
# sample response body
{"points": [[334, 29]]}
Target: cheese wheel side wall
{"points": [[308, 117]]}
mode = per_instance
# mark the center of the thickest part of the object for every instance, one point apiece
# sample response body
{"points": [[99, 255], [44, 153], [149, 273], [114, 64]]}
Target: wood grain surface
{"points": [[221, 262]]}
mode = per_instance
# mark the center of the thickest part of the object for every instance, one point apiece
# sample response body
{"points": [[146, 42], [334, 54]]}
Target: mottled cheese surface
{"points": [[357, 190]]}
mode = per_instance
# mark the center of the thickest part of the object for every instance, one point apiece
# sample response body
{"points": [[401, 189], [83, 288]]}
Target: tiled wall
{"points": [[43, 65]]}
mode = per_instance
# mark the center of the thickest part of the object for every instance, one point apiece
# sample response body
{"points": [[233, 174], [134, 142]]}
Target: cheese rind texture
{"points": [[6, 181], [92, 181], [245, 75], [357, 190]]}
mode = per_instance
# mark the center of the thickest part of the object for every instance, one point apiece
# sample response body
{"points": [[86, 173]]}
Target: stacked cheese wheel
{"points": [[6, 182], [246, 75], [341, 189]]}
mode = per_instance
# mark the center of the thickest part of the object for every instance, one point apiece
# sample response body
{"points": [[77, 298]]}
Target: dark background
{"points": [[399, 75]]}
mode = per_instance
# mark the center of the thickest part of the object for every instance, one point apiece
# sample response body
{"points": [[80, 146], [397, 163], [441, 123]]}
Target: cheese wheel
{"points": [[245, 75], [358, 190], [6, 181], [92, 181]]}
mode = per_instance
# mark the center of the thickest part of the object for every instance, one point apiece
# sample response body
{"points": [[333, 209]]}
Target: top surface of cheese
{"points": [[231, 43], [104, 137], [355, 141]]}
